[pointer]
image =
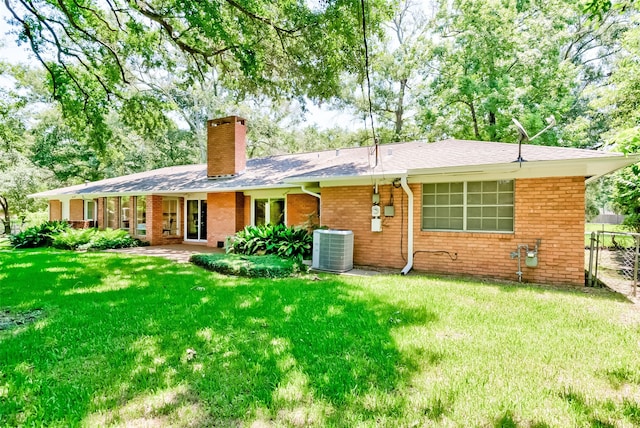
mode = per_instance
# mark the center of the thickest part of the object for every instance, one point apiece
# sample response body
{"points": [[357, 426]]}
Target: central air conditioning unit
{"points": [[332, 250]]}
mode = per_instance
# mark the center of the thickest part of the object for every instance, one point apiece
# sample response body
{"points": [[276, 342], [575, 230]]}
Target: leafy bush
{"points": [[58, 234], [40, 235], [249, 266], [113, 238], [280, 240], [72, 239]]}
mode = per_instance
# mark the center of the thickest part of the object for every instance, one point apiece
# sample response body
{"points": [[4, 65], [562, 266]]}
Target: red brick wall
{"points": [[154, 219], [155, 222], [350, 208], [240, 210], [548, 209], [300, 207], [55, 209], [226, 146], [102, 221], [76, 209], [247, 210], [225, 216]]}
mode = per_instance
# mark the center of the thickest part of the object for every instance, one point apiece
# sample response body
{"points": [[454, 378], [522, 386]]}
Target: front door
{"points": [[196, 220]]}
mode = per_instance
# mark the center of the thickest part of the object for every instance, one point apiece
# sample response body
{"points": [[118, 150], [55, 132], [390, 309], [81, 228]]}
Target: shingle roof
{"points": [[274, 171]]}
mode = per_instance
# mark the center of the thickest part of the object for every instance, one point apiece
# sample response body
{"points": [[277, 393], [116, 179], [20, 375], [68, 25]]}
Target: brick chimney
{"points": [[226, 146]]}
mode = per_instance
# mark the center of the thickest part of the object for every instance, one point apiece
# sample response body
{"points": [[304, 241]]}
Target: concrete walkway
{"points": [[177, 252]]}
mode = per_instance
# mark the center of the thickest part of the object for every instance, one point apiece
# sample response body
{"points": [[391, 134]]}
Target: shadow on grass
{"points": [[507, 420], [139, 339], [590, 409], [514, 286], [591, 292]]}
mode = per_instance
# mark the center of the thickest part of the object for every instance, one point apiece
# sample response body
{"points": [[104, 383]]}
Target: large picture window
{"points": [[112, 213], [268, 211], [482, 206], [170, 219]]}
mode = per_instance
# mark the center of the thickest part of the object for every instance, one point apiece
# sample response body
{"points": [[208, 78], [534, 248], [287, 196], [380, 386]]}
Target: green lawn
{"points": [[112, 341], [595, 227]]}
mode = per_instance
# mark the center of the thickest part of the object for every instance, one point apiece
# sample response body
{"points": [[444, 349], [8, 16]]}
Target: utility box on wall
{"points": [[332, 250]]}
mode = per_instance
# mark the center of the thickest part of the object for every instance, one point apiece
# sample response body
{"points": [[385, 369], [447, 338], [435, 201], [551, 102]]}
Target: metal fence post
{"points": [[590, 275], [595, 274], [635, 266]]}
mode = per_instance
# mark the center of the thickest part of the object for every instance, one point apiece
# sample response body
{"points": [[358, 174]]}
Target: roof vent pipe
{"points": [[407, 189]]}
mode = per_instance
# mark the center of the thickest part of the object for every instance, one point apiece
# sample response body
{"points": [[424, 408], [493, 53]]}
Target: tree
{"points": [[620, 101], [15, 173], [93, 50], [396, 59], [497, 60], [627, 196], [16, 182]]}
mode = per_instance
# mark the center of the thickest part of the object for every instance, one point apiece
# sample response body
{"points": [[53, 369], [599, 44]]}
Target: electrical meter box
{"points": [[375, 211]]}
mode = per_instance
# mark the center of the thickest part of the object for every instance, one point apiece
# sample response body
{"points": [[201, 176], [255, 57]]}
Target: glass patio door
{"points": [[197, 220]]}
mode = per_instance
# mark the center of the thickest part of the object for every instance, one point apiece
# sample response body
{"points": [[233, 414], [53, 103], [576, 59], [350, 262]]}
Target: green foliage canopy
{"points": [[92, 49]]}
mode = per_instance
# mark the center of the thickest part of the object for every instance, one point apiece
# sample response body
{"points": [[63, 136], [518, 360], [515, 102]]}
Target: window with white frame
{"points": [[125, 213], [141, 215], [89, 209], [268, 211], [170, 216], [478, 206]]}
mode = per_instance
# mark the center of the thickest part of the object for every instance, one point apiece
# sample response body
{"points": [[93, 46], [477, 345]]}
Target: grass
{"points": [[135, 341], [4, 243], [595, 227]]}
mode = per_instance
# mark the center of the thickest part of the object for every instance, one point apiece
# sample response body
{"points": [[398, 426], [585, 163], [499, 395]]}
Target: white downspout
{"points": [[407, 189], [317, 195]]}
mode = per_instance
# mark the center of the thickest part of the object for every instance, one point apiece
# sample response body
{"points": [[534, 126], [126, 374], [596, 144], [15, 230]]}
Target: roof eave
{"points": [[93, 195], [587, 167], [338, 180]]}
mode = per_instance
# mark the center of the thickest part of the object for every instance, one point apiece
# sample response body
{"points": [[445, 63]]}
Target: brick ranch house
{"points": [[453, 206]]}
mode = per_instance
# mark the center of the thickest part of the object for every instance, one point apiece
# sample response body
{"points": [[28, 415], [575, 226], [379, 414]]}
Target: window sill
{"points": [[489, 233]]}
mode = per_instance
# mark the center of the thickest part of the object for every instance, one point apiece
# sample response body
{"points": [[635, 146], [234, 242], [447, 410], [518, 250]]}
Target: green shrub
{"points": [[280, 240], [40, 235], [72, 239], [113, 238], [249, 266], [59, 235]]}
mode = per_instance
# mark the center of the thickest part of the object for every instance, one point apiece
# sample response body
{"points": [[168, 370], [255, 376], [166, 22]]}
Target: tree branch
{"points": [[262, 19], [171, 32], [75, 25], [96, 14]]}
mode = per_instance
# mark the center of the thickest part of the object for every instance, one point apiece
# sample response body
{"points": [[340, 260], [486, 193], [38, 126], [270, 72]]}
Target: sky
{"points": [[322, 116]]}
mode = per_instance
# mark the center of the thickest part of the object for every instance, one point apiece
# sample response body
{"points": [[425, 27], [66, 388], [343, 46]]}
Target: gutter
{"points": [[407, 189]]}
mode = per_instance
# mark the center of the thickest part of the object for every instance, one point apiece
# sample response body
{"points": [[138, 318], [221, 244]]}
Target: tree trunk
{"points": [[476, 130], [4, 204], [400, 109], [492, 126]]}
